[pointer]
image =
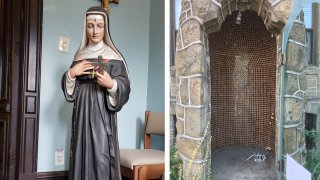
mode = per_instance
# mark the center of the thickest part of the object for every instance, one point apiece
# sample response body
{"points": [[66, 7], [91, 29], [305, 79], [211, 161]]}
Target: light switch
{"points": [[64, 43], [59, 157]]}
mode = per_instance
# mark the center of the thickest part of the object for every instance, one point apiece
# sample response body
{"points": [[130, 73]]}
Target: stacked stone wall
{"points": [[294, 95], [192, 77]]}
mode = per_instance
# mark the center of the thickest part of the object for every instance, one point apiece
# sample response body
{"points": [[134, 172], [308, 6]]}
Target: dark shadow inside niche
{"points": [[243, 86]]}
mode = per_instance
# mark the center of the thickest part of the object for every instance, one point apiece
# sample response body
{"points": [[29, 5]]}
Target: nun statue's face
{"points": [[95, 30]]}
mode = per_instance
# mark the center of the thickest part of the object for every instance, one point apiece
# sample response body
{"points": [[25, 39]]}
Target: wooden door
{"points": [[20, 47], [4, 99]]}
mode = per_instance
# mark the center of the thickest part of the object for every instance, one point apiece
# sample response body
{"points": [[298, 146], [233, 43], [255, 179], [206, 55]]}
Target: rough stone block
{"points": [[301, 139], [213, 25], [293, 108], [180, 111], [189, 13], [289, 140], [193, 170], [275, 25], [298, 33], [199, 91], [178, 80], [177, 142], [263, 12], [297, 157], [303, 82], [191, 31], [184, 91], [185, 6], [292, 84], [300, 94], [180, 126], [205, 9], [225, 11], [296, 57], [191, 60], [192, 149], [282, 10], [195, 122], [178, 41], [208, 117], [182, 17], [178, 99], [234, 5], [255, 6]]}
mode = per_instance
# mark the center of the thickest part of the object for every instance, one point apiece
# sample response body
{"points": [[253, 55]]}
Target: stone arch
{"points": [[199, 18], [213, 12]]}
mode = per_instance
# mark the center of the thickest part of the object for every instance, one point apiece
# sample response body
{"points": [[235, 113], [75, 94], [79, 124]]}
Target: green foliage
{"points": [[191, 172], [313, 156], [175, 165]]}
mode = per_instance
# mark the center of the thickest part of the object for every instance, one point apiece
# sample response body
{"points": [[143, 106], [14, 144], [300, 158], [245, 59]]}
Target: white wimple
{"points": [[94, 16]]}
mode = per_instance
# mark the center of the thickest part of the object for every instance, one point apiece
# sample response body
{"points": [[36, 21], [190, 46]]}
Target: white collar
{"points": [[95, 47]]}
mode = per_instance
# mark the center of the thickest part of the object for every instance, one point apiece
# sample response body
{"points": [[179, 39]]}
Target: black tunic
{"points": [[94, 143]]}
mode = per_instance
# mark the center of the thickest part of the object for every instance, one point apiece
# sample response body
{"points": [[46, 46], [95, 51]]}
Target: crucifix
{"points": [[105, 3]]}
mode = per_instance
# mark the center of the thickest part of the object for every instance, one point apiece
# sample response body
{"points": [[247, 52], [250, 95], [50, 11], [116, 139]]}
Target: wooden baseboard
{"points": [[53, 175]]}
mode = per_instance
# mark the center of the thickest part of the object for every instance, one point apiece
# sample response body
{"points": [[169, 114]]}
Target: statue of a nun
{"points": [[98, 85]]}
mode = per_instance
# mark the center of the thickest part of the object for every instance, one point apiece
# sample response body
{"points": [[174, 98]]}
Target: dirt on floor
{"points": [[232, 164]]}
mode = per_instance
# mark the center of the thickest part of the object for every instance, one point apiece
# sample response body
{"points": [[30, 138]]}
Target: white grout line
{"points": [[298, 150], [190, 160], [275, 3], [296, 73], [216, 3], [298, 43], [191, 44], [191, 106], [295, 97]]}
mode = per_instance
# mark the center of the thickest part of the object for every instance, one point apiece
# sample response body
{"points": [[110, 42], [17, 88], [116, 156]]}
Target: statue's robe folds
{"points": [[94, 143]]}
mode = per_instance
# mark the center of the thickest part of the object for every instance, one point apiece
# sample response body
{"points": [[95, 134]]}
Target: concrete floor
{"points": [[231, 164]]}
